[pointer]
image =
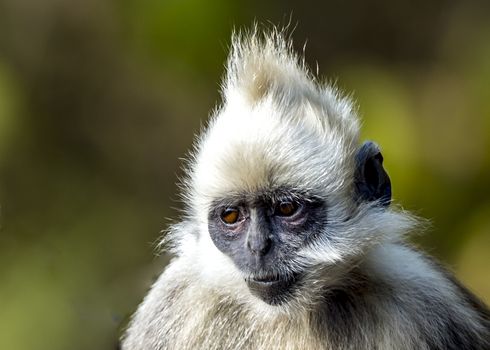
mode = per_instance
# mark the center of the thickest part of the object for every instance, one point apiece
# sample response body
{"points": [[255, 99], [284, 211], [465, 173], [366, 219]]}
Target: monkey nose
{"points": [[259, 245]]}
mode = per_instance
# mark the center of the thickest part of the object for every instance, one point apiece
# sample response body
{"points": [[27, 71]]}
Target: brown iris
{"points": [[286, 208], [230, 216]]}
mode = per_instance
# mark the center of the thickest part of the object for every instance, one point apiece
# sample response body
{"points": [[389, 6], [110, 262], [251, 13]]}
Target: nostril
{"points": [[267, 246], [259, 245]]}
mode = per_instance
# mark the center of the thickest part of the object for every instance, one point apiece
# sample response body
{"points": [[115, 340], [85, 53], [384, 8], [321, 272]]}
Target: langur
{"points": [[288, 238]]}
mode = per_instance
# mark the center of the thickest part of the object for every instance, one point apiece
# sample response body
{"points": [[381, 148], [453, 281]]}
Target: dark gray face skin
{"points": [[262, 238], [265, 238]]}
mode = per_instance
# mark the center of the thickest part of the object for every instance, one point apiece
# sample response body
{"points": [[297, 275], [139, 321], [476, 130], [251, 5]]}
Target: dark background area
{"points": [[100, 99]]}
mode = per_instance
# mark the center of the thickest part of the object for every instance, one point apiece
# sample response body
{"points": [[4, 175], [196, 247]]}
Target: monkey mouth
{"points": [[272, 289], [265, 279]]}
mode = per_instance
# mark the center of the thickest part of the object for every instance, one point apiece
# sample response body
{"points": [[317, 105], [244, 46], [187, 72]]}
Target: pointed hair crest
{"points": [[261, 63], [263, 67]]}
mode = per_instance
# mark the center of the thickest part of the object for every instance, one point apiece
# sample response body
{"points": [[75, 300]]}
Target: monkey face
{"points": [[265, 232], [262, 234]]}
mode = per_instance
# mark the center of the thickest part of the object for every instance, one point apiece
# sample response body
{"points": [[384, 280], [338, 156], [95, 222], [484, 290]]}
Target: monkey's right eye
{"points": [[230, 216]]}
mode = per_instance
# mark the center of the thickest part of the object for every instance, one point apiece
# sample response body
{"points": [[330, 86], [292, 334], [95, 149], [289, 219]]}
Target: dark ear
{"points": [[371, 181]]}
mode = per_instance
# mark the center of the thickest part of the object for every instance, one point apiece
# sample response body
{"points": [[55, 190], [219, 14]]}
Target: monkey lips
{"points": [[272, 289]]}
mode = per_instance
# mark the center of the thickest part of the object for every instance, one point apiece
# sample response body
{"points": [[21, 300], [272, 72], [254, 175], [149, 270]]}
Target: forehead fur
{"points": [[278, 127]]}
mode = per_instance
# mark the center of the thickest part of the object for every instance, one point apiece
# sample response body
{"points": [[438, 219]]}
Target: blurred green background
{"points": [[100, 99]]}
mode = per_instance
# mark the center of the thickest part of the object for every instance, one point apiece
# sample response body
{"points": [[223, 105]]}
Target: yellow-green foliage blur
{"points": [[100, 99]]}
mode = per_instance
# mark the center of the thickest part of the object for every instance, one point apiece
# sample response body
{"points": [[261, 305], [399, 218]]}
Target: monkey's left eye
{"points": [[287, 208]]}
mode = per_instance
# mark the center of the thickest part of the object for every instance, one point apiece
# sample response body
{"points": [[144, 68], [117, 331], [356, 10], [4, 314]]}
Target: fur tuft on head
{"points": [[260, 64]]}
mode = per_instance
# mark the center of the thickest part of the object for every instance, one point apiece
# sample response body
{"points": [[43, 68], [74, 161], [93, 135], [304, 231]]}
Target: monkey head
{"points": [[279, 184]]}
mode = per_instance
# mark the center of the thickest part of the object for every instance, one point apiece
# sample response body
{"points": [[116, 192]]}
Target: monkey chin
{"points": [[272, 290]]}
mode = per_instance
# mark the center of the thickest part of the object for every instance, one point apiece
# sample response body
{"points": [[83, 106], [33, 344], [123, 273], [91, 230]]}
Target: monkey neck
{"points": [[242, 327], [247, 322]]}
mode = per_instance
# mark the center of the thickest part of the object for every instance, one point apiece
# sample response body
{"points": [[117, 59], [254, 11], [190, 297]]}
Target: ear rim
{"points": [[371, 187]]}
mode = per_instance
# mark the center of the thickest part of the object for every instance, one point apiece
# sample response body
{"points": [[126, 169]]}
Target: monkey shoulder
{"points": [[154, 323], [185, 310], [408, 294]]}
